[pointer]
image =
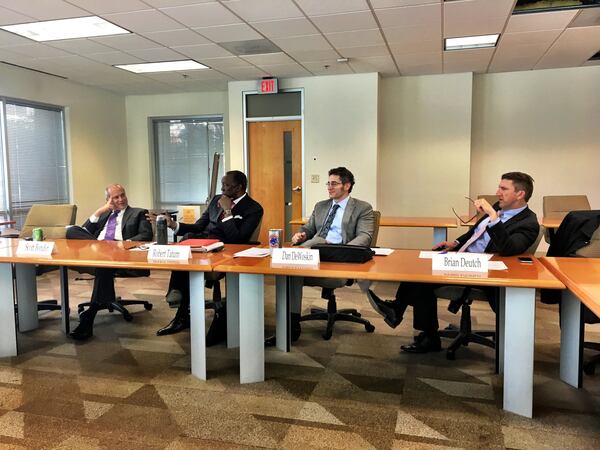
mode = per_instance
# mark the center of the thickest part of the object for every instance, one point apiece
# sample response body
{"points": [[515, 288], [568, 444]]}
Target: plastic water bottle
{"points": [[161, 230]]}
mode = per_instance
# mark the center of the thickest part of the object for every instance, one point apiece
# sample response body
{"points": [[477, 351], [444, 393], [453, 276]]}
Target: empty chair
{"points": [[557, 206]]}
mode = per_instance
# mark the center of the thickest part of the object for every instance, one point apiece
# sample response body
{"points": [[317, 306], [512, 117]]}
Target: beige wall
{"points": [[424, 151], [142, 107], [545, 123], [340, 128], [96, 137]]}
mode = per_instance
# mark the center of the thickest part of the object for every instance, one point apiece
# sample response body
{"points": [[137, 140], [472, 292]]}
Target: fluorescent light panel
{"points": [[460, 43], [53, 30], [167, 66]]}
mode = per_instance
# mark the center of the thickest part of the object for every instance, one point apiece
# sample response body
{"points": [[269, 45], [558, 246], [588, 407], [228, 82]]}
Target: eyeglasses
{"points": [[332, 183], [466, 222]]}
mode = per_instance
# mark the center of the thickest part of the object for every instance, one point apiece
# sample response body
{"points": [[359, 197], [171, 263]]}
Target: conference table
{"points": [[516, 307], [440, 225], [108, 254], [581, 276]]}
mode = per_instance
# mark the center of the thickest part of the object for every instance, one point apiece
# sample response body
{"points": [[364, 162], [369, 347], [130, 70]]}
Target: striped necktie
{"points": [[329, 221]]}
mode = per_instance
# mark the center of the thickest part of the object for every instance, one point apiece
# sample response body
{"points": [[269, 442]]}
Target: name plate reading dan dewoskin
{"points": [[169, 253], [35, 248], [295, 256], [460, 262]]}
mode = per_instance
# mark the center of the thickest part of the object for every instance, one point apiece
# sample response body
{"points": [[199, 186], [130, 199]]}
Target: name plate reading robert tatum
{"points": [[169, 253], [35, 248], [295, 256], [460, 262]]}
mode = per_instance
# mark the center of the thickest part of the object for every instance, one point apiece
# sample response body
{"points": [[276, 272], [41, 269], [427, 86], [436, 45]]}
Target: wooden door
{"points": [[275, 173]]}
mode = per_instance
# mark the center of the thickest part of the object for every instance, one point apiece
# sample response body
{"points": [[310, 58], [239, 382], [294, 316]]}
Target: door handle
{"points": [[297, 189]]}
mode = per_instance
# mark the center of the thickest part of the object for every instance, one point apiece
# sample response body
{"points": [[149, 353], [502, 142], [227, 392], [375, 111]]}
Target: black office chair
{"points": [[462, 297], [329, 285]]}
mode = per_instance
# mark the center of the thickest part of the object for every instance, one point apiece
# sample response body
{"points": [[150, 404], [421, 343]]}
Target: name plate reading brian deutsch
{"points": [[460, 262], [295, 256], [35, 248], [169, 253]]}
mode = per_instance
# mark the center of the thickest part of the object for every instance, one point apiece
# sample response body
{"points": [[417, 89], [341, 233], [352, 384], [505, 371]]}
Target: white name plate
{"points": [[295, 256], [460, 262], [169, 253], [35, 248]]}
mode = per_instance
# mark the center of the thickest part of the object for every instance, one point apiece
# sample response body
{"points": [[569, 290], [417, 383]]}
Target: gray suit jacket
{"points": [[358, 224]]}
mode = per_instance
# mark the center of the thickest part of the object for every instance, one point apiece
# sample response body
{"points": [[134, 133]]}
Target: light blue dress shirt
{"points": [[334, 236], [481, 244]]}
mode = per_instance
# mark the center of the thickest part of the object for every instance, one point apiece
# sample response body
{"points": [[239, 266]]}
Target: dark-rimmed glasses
{"points": [[466, 222]]}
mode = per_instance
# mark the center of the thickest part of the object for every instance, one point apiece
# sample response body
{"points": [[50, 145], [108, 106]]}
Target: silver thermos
{"points": [[161, 230]]}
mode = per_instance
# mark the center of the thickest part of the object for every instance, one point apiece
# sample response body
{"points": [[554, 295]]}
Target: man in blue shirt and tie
{"points": [[508, 228]]}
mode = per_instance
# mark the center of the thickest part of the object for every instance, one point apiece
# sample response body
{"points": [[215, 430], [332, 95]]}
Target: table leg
{"points": [[571, 339], [500, 313], [64, 299], [518, 350], [440, 234], [282, 309], [252, 332], [233, 310], [26, 297], [197, 325], [8, 328]]}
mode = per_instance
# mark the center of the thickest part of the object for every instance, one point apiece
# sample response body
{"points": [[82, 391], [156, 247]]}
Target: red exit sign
{"points": [[267, 86]]}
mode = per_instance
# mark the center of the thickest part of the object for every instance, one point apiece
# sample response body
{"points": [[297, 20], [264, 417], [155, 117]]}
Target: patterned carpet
{"points": [[128, 389]]}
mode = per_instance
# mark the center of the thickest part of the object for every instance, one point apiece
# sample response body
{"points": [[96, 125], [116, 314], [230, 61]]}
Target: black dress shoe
{"points": [[391, 310], [423, 343], [84, 330], [217, 332], [295, 329], [175, 326]]}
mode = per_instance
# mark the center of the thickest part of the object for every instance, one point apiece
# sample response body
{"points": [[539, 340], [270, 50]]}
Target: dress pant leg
{"points": [[424, 302], [180, 280], [104, 286], [296, 285]]}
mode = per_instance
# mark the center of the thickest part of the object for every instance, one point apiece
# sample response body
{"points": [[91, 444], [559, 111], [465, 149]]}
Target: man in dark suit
{"points": [[341, 219], [231, 217], [115, 220], [508, 228]]}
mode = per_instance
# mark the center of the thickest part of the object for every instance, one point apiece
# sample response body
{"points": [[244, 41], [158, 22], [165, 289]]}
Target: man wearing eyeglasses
{"points": [[339, 220], [507, 228]]}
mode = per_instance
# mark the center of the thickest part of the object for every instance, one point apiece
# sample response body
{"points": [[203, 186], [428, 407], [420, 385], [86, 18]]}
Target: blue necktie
{"points": [[329, 221], [111, 226]]}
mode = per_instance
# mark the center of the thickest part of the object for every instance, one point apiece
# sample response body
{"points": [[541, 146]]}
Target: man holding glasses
{"points": [[507, 228]]}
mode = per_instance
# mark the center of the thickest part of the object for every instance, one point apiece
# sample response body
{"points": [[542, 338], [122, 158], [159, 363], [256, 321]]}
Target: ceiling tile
{"points": [[172, 3], [355, 38], [333, 68], [114, 58], [382, 64], [512, 62], [202, 15], [229, 33], [263, 10], [418, 47], [419, 59], [157, 54], [177, 37], [286, 70], [226, 62], [314, 55], [80, 46], [320, 7], [109, 6], [364, 52], [345, 22], [38, 50], [268, 59], [125, 42], [476, 60], [44, 9], [589, 17], [144, 21], [9, 17], [540, 21], [201, 85], [202, 51], [245, 73], [377, 4], [510, 40], [411, 16], [7, 38], [475, 17], [285, 28], [412, 35], [303, 43], [573, 48]]}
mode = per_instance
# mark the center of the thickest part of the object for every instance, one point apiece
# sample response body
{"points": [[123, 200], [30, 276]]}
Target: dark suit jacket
{"points": [[247, 214], [134, 225], [508, 238]]}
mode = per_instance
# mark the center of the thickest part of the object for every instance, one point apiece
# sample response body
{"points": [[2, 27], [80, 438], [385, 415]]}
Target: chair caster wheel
{"points": [[450, 356], [148, 307], [327, 335], [370, 328], [127, 317]]}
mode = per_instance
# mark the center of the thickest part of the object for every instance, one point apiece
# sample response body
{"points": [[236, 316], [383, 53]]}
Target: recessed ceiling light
{"points": [[461, 43], [166, 66], [53, 30]]}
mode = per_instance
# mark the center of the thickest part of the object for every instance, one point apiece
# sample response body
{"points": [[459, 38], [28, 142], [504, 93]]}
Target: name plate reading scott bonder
{"points": [[460, 262], [169, 253], [295, 256], [35, 248]]}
